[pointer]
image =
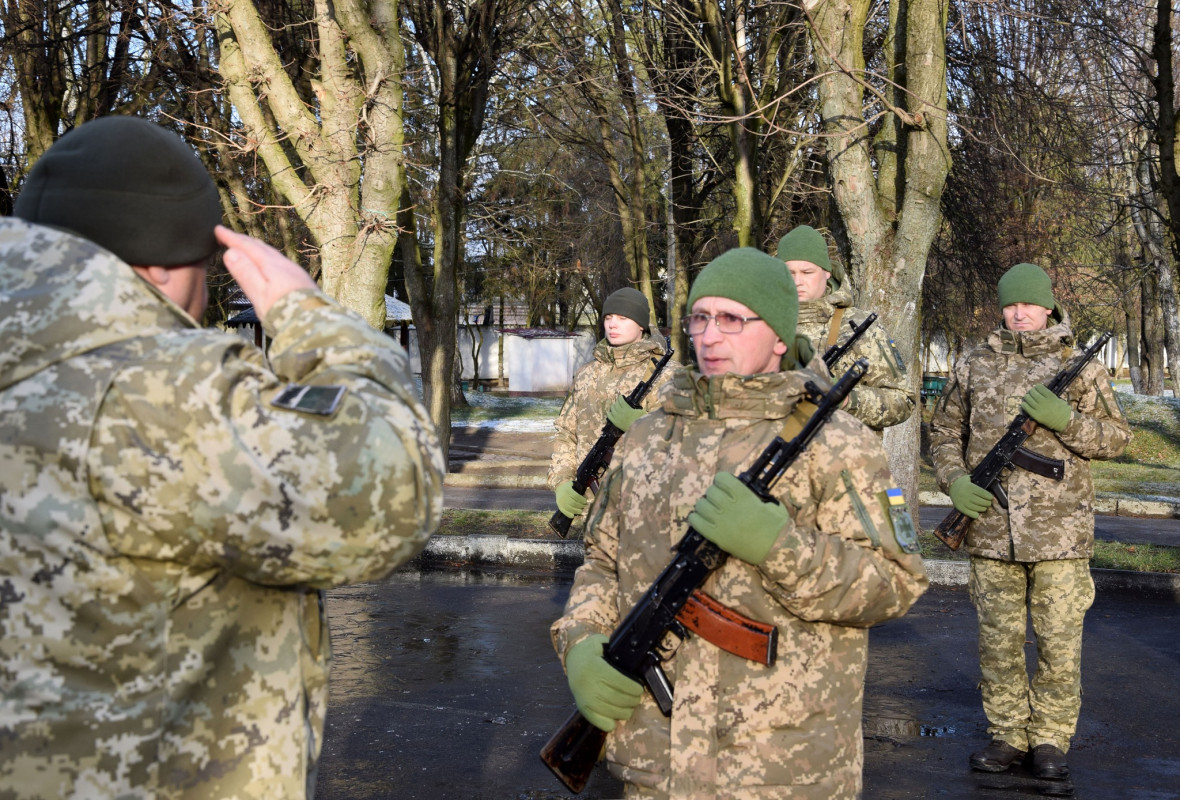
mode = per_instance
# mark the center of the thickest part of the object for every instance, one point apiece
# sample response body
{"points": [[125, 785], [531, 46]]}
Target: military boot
{"points": [[1049, 762], [996, 757]]}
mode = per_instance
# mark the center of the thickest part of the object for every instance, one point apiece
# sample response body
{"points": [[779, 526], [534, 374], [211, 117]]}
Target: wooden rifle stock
{"points": [[573, 751]]}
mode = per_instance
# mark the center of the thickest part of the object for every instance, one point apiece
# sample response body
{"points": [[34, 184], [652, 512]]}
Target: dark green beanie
{"points": [[805, 243], [757, 281], [129, 186], [629, 303], [1026, 283]]}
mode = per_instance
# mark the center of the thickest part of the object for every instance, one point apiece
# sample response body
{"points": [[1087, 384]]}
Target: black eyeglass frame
{"points": [[686, 323]]}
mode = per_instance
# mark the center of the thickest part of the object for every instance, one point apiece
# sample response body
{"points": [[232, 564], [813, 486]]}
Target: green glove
{"points": [[969, 499], [603, 694], [1046, 408], [735, 519], [570, 502], [621, 415]]}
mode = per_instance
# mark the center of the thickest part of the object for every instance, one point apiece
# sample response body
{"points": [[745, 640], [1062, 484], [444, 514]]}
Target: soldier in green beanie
{"points": [[1031, 558], [883, 397], [624, 357], [175, 499], [822, 564]]}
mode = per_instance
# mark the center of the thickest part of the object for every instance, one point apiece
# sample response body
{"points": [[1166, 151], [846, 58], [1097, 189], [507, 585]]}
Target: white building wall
{"points": [[549, 363]]}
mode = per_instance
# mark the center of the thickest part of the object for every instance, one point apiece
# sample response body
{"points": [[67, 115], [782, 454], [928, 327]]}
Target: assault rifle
{"points": [[836, 352], [674, 604], [598, 459], [1009, 452]]}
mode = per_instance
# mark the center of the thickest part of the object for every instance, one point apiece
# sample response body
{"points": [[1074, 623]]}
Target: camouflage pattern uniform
{"points": [[165, 531], [740, 729], [614, 371], [1034, 557], [883, 396]]}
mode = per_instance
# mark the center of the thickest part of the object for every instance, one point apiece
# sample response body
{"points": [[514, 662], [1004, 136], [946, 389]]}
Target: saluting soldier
{"points": [[823, 564], [883, 397], [1032, 558], [624, 358], [172, 499]]}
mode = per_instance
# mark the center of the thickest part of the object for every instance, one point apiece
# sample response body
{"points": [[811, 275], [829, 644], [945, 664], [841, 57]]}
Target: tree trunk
{"points": [[891, 219]]}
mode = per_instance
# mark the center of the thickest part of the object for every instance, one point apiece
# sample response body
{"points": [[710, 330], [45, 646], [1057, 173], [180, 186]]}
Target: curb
{"points": [[503, 551], [476, 480]]}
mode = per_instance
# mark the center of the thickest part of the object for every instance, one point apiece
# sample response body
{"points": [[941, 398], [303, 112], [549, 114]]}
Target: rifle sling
{"points": [[834, 327], [1038, 464]]}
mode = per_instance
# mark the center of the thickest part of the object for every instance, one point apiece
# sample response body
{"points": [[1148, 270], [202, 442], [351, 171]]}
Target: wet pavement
{"points": [[445, 686]]}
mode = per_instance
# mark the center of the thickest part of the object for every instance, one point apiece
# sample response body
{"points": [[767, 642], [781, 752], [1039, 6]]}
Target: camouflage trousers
{"points": [[1021, 711]]}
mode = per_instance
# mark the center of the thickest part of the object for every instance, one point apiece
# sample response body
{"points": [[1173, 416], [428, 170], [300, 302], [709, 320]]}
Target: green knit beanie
{"points": [[129, 186], [805, 243], [757, 281], [629, 303], [1026, 283]]}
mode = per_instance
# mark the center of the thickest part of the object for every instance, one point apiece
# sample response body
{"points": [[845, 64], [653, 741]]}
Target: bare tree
{"points": [[329, 129]]}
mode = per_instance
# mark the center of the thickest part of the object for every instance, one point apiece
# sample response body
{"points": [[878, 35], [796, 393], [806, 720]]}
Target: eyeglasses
{"points": [[695, 324]]}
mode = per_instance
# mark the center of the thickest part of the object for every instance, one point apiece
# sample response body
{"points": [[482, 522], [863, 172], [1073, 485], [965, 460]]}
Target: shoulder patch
{"points": [[897, 356], [319, 400], [903, 524]]}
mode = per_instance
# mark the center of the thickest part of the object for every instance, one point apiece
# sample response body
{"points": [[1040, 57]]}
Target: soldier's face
{"points": [[1026, 317], [753, 350], [810, 281], [621, 330]]}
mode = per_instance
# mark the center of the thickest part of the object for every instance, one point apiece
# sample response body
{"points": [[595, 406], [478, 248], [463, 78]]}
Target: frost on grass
{"points": [[507, 414]]}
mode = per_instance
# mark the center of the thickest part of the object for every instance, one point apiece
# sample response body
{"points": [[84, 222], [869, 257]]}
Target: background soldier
{"points": [[883, 397], [823, 565], [623, 359], [172, 500], [1033, 557]]}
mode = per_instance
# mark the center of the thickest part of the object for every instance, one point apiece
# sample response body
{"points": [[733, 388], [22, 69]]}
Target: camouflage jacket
{"points": [[614, 371], [1046, 519], [164, 529], [883, 396], [740, 729]]}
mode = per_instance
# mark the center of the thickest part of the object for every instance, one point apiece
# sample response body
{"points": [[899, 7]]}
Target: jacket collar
{"points": [[1051, 340], [812, 311], [771, 395]]}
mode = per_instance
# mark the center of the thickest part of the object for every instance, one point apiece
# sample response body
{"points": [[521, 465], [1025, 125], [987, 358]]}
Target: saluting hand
{"points": [[265, 274]]}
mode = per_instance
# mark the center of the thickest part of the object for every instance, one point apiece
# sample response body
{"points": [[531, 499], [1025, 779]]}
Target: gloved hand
{"points": [[603, 694], [1046, 408], [621, 415], [969, 499], [570, 502], [735, 519]]}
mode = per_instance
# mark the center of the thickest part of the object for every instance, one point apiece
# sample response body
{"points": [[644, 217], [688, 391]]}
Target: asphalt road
{"points": [[1133, 530], [445, 686]]}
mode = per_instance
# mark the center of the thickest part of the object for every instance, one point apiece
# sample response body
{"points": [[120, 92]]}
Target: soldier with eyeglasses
{"points": [[822, 564], [883, 397]]}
